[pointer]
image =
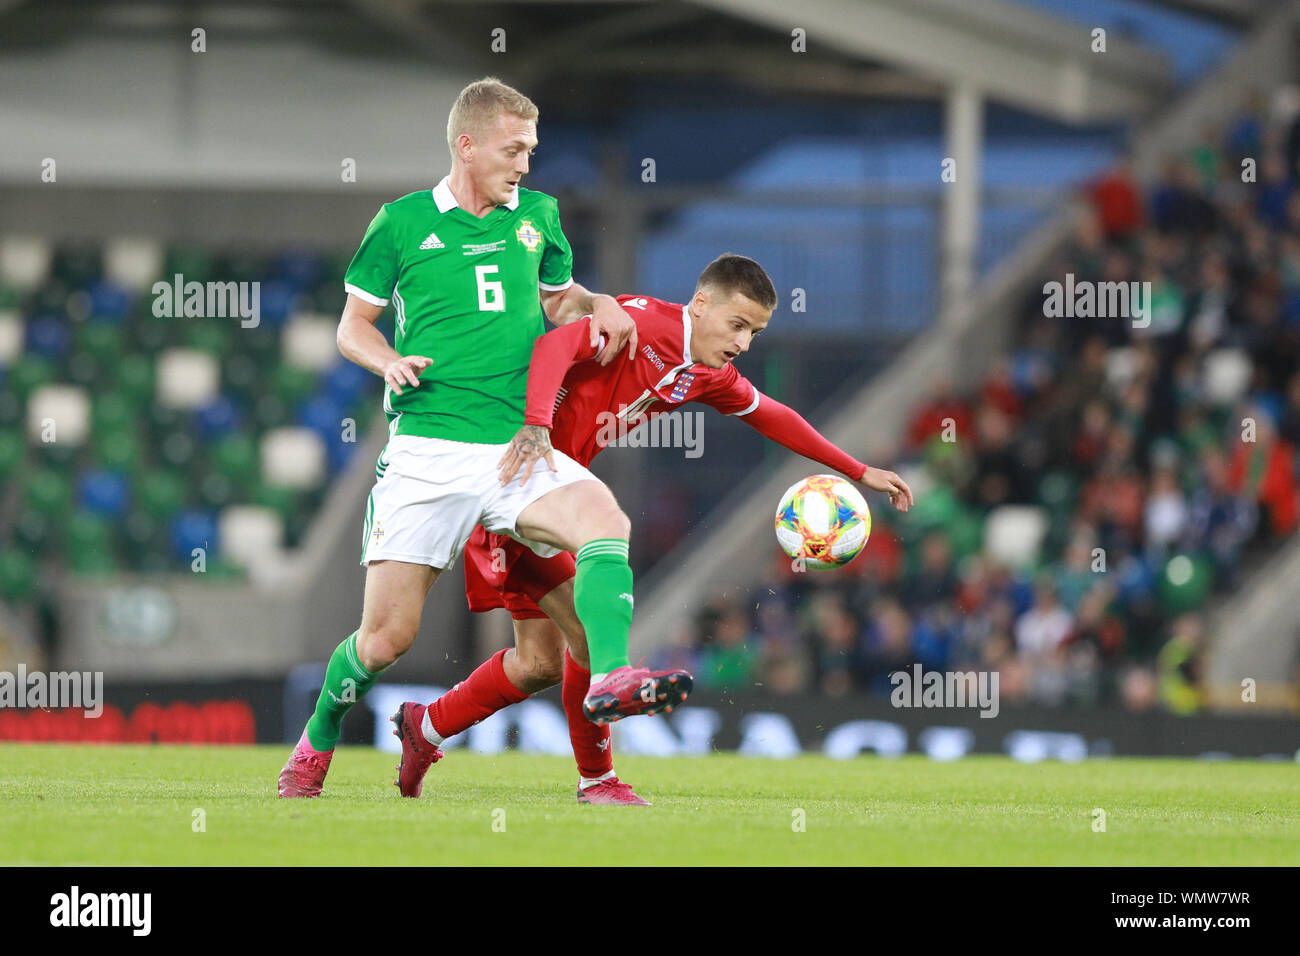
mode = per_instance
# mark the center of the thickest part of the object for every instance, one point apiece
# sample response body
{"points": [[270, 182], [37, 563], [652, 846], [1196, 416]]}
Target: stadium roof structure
{"points": [[1008, 51]]}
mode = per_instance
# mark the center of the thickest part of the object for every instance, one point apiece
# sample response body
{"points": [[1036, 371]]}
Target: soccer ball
{"points": [[823, 521]]}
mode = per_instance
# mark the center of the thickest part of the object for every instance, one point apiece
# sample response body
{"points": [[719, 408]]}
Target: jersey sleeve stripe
{"points": [[752, 405], [556, 288], [365, 296]]}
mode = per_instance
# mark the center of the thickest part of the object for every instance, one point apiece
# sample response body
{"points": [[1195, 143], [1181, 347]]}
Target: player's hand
{"points": [[531, 444], [406, 371], [612, 321], [877, 479]]}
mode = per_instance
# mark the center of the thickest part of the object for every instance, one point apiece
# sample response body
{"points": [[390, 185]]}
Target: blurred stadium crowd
{"points": [[1123, 452]]}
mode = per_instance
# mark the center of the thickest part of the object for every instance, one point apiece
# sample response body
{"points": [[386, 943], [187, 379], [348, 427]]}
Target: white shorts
{"points": [[431, 493]]}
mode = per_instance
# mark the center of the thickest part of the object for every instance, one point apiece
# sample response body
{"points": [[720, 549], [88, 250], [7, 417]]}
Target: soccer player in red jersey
{"points": [[577, 406]]}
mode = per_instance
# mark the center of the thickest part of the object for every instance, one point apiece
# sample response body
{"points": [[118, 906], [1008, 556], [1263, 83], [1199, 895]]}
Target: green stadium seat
{"points": [[292, 384], [160, 495], [212, 335], [133, 377], [30, 374], [104, 340], [119, 450], [48, 492], [17, 575], [192, 263], [34, 532], [112, 413], [87, 533], [236, 458], [11, 409], [12, 449]]}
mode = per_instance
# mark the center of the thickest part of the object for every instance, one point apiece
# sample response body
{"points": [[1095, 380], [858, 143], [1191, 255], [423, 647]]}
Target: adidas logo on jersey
{"points": [[433, 242]]}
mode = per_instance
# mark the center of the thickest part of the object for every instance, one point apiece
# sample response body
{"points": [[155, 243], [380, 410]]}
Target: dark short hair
{"points": [[732, 273]]}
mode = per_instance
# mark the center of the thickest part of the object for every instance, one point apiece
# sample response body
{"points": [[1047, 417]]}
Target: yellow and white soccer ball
{"points": [[823, 522]]}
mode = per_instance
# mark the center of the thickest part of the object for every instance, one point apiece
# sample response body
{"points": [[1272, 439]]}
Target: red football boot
{"points": [[305, 772], [628, 691], [417, 753], [611, 791]]}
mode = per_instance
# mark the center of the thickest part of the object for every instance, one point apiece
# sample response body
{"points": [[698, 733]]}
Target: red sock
{"points": [[593, 746], [479, 695]]}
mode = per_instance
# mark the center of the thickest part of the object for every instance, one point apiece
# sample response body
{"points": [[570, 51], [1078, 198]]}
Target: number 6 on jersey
{"points": [[491, 296]]}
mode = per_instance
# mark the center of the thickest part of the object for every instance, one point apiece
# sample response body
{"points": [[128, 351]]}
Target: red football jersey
{"points": [[599, 402]]}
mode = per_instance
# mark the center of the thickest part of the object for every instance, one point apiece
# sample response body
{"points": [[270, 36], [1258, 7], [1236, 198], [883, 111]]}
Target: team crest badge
{"points": [[682, 387], [527, 234]]}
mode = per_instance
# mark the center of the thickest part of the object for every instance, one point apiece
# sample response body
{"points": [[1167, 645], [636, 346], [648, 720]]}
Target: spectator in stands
{"points": [[1118, 203], [1264, 470], [887, 647], [1042, 629], [1219, 521], [730, 658], [942, 410], [1179, 666]]}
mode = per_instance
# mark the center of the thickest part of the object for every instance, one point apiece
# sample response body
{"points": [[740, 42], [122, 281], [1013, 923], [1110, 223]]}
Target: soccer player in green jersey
{"points": [[472, 267]]}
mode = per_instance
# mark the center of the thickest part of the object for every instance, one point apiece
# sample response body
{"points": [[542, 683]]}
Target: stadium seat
{"points": [[12, 448], [118, 451], [108, 301], [17, 575], [29, 374], [309, 342], [12, 333], [236, 458], [191, 529], [24, 262], [292, 457], [134, 379], [48, 492], [103, 492], [160, 494], [250, 534], [133, 263], [48, 336], [187, 378], [59, 414], [217, 418]]}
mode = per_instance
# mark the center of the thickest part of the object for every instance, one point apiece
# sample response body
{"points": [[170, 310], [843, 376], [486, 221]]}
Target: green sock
{"points": [[602, 596], [346, 682]]}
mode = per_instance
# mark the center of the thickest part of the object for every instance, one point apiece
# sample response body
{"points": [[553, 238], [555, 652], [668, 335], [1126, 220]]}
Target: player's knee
{"points": [[380, 646], [612, 523]]}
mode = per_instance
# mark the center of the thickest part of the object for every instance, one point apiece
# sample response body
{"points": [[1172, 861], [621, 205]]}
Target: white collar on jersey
{"points": [[687, 361], [447, 202], [686, 336]]}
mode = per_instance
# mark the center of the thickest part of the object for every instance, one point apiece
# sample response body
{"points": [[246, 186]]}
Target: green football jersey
{"points": [[465, 293]]}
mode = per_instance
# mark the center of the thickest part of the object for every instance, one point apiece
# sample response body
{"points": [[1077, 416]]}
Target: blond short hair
{"points": [[478, 106]]}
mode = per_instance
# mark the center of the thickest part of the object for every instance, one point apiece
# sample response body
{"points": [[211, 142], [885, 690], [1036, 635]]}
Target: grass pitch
{"points": [[123, 805]]}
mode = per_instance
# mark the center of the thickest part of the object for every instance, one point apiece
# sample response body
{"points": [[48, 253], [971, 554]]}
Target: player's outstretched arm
{"points": [[362, 343], [787, 427], [608, 318]]}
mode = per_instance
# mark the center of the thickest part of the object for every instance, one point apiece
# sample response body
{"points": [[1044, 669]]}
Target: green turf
{"points": [[135, 805]]}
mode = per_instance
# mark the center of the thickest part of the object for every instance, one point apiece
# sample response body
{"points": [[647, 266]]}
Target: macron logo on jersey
{"points": [[636, 304], [433, 242]]}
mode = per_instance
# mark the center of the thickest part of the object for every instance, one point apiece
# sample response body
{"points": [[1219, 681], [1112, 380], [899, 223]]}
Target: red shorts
{"points": [[501, 572]]}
